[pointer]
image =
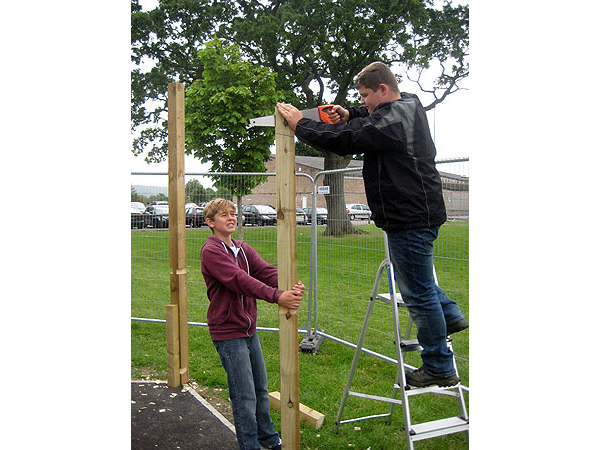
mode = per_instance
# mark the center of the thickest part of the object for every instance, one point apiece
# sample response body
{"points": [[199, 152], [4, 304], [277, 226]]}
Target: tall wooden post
{"points": [[173, 363], [177, 244], [287, 267]]}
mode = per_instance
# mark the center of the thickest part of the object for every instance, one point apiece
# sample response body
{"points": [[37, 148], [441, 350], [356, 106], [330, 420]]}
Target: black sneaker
{"points": [[455, 327], [277, 447], [420, 378]]}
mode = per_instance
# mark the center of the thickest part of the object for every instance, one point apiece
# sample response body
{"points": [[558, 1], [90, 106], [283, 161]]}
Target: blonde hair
{"points": [[216, 205]]}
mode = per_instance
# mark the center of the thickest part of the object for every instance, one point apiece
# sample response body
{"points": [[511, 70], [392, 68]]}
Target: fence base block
{"points": [[311, 344], [307, 415]]}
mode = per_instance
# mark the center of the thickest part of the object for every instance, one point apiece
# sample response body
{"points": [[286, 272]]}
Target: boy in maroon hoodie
{"points": [[235, 277]]}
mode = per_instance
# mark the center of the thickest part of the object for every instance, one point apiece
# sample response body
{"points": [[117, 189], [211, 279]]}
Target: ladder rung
{"points": [[440, 427], [446, 390], [386, 299], [410, 345], [375, 397], [358, 419]]}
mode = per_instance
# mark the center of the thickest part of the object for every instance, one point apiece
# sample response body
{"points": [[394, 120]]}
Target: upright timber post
{"points": [[177, 244], [287, 268]]}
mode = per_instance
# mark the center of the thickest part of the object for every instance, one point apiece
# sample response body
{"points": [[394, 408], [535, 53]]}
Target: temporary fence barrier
{"points": [[150, 246], [342, 289], [339, 272]]}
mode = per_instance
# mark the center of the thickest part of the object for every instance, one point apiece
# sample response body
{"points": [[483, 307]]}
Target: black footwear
{"points": [[277, 447], [455, 327], [420, 378]]}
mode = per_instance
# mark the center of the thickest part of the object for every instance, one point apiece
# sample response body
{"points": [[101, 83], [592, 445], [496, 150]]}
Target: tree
{"points": [[219, 106], [303, 149], [315, 47], [194, 192], [164, 44], [160, 197]]}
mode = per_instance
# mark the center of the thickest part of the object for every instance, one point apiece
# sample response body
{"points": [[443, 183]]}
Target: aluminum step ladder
{"points": [[413, 432]]}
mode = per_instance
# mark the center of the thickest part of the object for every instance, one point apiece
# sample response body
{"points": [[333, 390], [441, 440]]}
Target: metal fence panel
{"points": [[346, 270], [343, 268], [150, 283]]}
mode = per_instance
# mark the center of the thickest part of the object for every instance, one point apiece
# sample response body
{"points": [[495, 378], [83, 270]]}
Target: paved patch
{"points": [[175, 419]]}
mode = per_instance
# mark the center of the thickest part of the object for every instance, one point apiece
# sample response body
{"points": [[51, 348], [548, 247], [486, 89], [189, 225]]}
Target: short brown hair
{"points": [[216, 205], [375, 74]]}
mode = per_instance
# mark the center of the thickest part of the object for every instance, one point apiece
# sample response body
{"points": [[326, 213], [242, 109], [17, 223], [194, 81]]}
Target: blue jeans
{"points": [[411, 253], [243, 362]]}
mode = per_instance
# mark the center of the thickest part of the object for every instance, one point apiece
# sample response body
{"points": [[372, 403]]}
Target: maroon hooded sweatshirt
{"points": [[233, 283]]}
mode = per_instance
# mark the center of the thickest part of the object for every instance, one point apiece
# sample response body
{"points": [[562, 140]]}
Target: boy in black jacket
{"points": [[404, 192]]}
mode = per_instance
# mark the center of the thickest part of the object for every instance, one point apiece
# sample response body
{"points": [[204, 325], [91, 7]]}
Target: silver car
{"points": [[358, 211], [321, 215], [301, 217]]}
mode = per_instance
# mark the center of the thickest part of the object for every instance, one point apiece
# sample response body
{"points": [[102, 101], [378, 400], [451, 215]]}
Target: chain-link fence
{"points": [[338, 258]]}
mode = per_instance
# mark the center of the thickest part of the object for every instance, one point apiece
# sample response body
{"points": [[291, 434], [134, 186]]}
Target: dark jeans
{"points": [[243, 361], [411, 254]]}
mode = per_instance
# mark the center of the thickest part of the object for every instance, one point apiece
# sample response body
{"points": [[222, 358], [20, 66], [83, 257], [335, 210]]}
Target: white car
{"points": [[301, 217], [358, 211], [137, 215], [321, 215], [138, 207]]}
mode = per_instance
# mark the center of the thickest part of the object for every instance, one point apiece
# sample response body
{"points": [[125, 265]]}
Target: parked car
{"points": [[137, 215], [301, 218], [157, 216], [321, 215], [358, 211], [159, 202], [259, 215], [194, 216]]}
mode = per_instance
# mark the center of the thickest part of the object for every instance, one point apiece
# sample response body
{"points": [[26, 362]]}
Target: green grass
{"points": [[346, 272]]}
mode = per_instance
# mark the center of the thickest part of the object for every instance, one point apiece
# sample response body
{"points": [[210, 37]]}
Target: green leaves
{"points": [[219, 106]]}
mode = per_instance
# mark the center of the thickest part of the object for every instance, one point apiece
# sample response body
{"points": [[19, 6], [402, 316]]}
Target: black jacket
{"points": [[403, 187]]}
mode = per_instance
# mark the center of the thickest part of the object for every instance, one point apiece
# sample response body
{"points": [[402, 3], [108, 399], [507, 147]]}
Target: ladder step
{"points": [[386, 298], [358, 419], [446, 390], [440, 427], [375, 397], [410, 345]]}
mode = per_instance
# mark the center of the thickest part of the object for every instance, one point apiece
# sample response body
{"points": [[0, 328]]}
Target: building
{"points": [[265, 193], [455, 187]]}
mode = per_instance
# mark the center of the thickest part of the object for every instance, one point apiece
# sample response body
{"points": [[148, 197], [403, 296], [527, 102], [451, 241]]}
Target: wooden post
{"points": [[287, 267], [173, 364], [177, 244], [307, 415]]}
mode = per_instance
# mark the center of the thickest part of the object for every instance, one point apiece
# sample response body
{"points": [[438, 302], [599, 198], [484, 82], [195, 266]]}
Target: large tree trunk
{"points": [[338, 222]]}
